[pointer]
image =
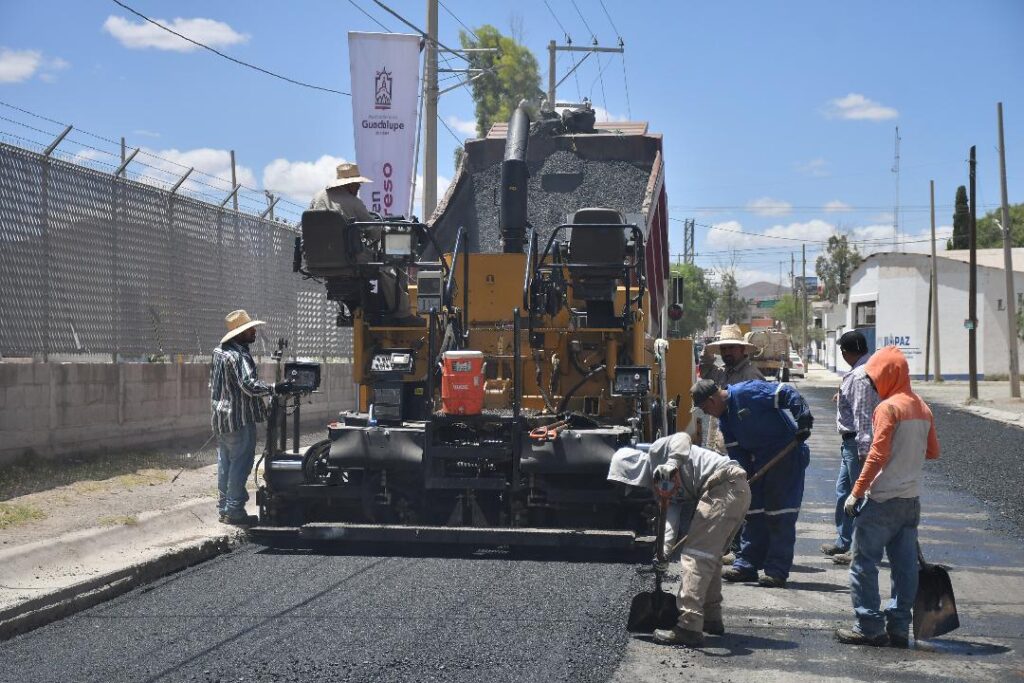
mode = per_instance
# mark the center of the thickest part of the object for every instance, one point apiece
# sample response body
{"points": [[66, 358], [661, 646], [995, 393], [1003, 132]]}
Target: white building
{"points": [[888, 302]]}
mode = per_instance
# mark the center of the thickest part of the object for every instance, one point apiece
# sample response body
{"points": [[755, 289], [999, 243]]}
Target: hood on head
{"points": [[889, 370]]}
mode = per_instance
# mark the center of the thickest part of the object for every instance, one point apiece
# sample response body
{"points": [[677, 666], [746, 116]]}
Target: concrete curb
{"points": [[40, 611], [75, 571]]}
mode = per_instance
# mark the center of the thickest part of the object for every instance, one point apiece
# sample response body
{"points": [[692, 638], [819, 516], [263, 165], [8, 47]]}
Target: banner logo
{"points": [[383, 89]]}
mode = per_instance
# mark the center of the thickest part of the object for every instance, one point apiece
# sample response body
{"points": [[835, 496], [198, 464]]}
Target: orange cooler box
{"points": [[462, 383]]}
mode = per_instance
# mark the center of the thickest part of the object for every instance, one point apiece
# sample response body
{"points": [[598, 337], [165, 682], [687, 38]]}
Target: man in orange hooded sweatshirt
{"points": [[886, 493]]}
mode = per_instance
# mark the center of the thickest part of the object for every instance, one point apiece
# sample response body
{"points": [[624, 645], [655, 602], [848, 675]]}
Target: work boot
{"points": [[737, 575], [842, 558], [833, 549], [239, 520], [899, 640], [851, 637], [728, 558], [678, 636], [715, 628], [768, 581]]}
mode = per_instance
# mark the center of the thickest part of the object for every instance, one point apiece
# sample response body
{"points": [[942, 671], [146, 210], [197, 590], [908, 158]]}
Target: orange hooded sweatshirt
{"points": [[903, 432]]}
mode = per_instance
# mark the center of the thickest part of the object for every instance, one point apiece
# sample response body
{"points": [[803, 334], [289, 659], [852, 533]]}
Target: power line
{"points": [[471, 31], [593, 36], [228, 57], [370, 16], [610, 20], [555, 17]]}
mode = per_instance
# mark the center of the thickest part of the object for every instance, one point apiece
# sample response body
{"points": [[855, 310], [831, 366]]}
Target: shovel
{"points": [[934, 605], [657, 608]]}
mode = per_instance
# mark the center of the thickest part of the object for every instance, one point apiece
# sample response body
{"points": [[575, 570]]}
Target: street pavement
{"points": [[260, 614]]}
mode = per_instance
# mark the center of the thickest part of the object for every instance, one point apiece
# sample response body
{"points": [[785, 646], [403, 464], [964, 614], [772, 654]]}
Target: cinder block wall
{"points": [[54, 409]]}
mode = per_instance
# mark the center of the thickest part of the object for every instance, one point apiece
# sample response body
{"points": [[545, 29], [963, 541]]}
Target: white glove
{"points": [[851, 504], [660, 347], [665, 472]]}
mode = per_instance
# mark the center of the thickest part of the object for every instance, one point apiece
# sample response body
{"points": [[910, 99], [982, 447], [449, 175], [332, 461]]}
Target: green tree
{"points": [[990, 236], [788, 312], [961, 221], [732, 308], [698, 298], [515, 76], [836, 265]]}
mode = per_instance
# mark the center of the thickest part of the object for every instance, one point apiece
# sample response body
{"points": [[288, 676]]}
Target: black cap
{"points": [[853, 342], [702, 390]]}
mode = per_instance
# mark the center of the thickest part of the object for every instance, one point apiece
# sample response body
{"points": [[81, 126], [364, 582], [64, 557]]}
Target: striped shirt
{"points": [[855, 406], [236, 393]]}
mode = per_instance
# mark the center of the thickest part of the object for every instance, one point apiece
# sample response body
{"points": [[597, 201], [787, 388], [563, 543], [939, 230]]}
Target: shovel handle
{"points": [[774, 461]]}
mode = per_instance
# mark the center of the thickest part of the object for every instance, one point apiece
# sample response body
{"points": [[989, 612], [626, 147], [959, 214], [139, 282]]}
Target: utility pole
{"points": [[803, 251], [1011, 304], [234, 182], [935, 292], [553, 50], [972, 288], [896, 206], [430, 115]]}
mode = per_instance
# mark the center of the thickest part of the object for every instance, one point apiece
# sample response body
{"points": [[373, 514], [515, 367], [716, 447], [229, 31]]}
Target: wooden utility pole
{"points": [[1011, 303], [972, 287], [935, 292], [430, 115], [234, 182]]}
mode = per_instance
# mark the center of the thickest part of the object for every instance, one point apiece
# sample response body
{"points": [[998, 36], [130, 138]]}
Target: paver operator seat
{"points": [[598, 254]]}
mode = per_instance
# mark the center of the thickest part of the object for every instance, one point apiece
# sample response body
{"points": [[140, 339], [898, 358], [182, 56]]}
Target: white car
{"points": [[796, 366]]}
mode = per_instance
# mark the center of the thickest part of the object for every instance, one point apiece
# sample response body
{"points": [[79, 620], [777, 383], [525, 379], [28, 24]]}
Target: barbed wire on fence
{"points": [[93, 265]]}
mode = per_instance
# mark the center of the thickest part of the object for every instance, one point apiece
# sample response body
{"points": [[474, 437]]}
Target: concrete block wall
{"points": [[55, 409]]}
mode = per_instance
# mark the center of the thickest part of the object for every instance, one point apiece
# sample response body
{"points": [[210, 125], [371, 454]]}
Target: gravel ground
{"points": [[984, 458], [290, 616]]}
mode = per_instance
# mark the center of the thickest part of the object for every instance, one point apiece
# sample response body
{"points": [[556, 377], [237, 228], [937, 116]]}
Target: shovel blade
{"points": [[652, 610], [934, 605]]}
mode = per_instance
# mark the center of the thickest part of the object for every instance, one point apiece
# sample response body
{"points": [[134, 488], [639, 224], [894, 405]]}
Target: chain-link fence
{"points": [[92, 264]]}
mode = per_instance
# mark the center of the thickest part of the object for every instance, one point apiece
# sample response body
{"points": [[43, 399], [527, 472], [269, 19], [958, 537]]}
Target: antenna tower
{"points": [[896, 206]]}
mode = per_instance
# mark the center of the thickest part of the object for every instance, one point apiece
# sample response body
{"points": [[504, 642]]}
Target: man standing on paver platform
{"points": [[855, 403], [236, 399], [758, 420], [903, 438]]}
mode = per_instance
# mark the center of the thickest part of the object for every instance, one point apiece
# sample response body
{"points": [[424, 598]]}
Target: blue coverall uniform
{"points": [[760, 420]]}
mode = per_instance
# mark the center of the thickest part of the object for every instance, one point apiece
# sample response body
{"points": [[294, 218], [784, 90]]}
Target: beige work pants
{"points": [[719, 514]]}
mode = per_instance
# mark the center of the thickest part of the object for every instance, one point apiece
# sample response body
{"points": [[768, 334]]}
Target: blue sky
{"points": [[778, 117]]}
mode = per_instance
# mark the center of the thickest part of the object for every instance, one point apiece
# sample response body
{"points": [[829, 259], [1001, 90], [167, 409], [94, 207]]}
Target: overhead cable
{"points": [[229, 57]]}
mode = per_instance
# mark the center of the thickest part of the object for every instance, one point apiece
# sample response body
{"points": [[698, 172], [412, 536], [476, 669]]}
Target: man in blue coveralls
{"points": [[758, 419]]}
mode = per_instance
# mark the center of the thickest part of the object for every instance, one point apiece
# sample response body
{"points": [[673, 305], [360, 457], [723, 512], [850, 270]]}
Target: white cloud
{"points": [[17, 66], [856, 107], [836, 206], [816, 168], [467, 128], [766, 206], [746, 277], [142, 132], [300, 180], [143, 34], [215, 162], [728, 235], [417, 204]]}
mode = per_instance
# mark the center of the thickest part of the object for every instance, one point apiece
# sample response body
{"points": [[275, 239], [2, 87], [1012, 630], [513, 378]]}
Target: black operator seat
{"points": [[331, 245], [602, 250]]}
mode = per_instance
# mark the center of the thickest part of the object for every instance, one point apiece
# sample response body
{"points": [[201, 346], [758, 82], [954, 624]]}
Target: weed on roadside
{"points": [[118, 520], [13, 514]]}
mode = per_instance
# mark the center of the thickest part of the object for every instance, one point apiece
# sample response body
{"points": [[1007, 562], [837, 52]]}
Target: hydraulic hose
{"points": [[576, 387]]}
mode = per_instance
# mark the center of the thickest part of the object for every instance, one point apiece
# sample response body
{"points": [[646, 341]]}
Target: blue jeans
{"points": [[890, 527], [236, 452], [849, 470]]}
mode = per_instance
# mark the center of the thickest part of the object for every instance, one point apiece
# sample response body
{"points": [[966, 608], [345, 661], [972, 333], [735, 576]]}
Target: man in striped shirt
{"points": [[855, 404], [236, 400]]}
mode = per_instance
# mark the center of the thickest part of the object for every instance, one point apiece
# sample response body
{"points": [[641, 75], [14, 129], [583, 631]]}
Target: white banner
{"points": [[385, 88]]}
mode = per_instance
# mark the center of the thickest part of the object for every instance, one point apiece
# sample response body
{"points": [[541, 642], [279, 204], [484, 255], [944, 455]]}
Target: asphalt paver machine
{"points": [[502, 352]]}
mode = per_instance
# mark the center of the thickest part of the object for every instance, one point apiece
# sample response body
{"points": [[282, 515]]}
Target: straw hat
{"points": [[348, 174], [731, 334], [238, 322]]}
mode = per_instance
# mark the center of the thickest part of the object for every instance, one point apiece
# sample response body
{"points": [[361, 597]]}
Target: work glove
{"points": [[666, 472], [286, 387], [850, 506], [803, 428], [661, 566]]}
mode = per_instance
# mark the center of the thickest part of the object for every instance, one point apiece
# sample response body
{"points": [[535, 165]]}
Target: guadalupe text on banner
{"points": [[385, 87]]}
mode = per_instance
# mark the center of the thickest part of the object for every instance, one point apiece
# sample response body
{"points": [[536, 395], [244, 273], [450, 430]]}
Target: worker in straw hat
{"points": [[733, 348], [236, 399], [342, 195]]}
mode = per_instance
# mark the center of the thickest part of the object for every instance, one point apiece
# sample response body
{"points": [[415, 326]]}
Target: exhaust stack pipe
{"points": [[514, 180]]}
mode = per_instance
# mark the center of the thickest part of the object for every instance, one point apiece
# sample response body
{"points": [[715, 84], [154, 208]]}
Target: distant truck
{"points": [[771, 353]]}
